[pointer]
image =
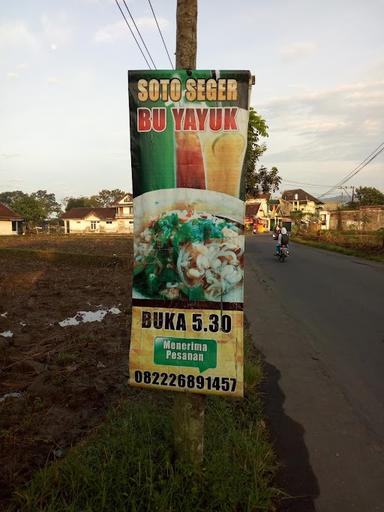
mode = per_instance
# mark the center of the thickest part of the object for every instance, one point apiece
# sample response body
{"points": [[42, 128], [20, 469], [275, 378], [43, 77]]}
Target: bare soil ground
{"points": [[63, 378]]}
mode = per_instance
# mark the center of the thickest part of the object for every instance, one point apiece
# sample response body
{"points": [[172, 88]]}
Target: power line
{"points": [[134, 37], [357, 169], [363, 163], [307, 184], [161, 35], [138, 31]]}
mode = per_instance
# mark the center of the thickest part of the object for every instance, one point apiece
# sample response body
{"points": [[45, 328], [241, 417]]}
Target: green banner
{"points": [[201, 353]]}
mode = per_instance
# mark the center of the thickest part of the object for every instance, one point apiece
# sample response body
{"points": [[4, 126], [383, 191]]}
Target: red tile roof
{"points": [[83, 212], [7, 213], [251, 209], [127, 199], [302, 195]]}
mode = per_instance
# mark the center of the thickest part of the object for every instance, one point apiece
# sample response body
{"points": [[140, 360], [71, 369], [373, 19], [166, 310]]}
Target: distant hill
{"points": [[336, 199], [333, 202]]}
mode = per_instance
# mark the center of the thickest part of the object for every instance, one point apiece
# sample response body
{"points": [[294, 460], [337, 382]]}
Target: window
{"points": [[108, 222], [93, 224], [14, 225]]}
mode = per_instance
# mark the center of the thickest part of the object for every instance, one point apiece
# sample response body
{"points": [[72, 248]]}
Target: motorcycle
{"points": [[283, 253]]}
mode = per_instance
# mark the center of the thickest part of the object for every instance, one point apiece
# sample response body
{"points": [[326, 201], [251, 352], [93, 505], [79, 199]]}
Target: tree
{"points": [[30, 208], [369, 196], [262, 180], [108, 197], [103, 199], [9, 197], [297, 216], [267, 181], [48, 203], [82, 201], [35, 207]]}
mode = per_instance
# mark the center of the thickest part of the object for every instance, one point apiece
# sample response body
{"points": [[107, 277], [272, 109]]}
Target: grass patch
{"points": [[337, 248], [128, 464]]}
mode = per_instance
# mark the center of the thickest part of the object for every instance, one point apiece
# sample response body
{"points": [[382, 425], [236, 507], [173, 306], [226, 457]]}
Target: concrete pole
{"points": [[188, 407]]}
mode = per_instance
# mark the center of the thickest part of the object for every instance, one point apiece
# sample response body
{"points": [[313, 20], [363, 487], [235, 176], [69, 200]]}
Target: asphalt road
{"points": [[318, 320]]}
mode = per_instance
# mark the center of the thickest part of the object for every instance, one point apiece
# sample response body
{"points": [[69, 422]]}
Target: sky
{"points": [[64, 119]]}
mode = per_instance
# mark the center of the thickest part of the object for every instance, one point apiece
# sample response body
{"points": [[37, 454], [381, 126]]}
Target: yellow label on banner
{"points": [[199, 351]]}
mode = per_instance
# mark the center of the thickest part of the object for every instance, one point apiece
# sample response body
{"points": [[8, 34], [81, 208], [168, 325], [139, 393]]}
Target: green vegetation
{"points": [[41, 206], [103, 199], [35, 207], [360, 249], [366, 196], [262, 180], [128, 464]]}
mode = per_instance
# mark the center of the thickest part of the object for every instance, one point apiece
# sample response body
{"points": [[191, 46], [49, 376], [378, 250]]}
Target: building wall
{"points": [[78, 226], [364, 219], [309, 207], [6, 228]]}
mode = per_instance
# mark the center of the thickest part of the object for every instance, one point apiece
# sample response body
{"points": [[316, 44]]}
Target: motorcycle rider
{"points": [[283, 239], [276, 232]]}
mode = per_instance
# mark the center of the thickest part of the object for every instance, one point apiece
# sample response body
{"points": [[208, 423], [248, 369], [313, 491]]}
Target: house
{"points": [[256, 212], [265, 213], [115, 219], [10, 221], [298, 200]]}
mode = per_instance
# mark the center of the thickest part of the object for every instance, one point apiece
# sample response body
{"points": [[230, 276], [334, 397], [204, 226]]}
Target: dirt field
{"points": [[56, 381]]}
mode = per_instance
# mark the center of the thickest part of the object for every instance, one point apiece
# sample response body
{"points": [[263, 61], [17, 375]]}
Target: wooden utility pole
{"points": [[186, 34], [189, 407]]}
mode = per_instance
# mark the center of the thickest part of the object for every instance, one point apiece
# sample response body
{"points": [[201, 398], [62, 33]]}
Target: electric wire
{"points": [[134, 37], [306, 184], [138, 31], [161, 35], [357, 169]]}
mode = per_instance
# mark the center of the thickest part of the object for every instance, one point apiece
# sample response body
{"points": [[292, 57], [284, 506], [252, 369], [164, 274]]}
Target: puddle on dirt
{"points": [[6, 334], [15, 394], [83, 317]]}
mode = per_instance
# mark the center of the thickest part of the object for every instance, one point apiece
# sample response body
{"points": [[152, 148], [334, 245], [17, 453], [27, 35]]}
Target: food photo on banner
{"points": [[188, 142]]}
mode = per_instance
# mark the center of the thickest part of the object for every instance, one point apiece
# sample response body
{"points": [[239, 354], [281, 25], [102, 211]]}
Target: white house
{"points": [[10, 221], [300, 200], [115, 219]]}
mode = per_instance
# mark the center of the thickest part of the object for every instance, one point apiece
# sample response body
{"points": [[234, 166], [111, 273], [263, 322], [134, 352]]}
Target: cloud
{"points": [[298, 50], [56, 31], [149, 23], [10, 155], [343, 123], [119, 30], [16, 35], [12, 75], [53, 80], [111, 33]]}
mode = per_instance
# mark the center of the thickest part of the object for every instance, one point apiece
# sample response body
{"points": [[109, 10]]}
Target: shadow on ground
{"points": [[296, 476]]}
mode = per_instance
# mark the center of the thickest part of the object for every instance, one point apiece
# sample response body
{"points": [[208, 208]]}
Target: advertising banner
{"points": [[188, 142]]}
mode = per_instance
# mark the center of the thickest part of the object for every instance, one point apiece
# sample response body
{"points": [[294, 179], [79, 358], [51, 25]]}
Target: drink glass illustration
{"points": [[189, 161], [223, 158]]}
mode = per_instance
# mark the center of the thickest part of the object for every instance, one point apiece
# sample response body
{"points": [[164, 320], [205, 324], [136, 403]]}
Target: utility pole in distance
{"points": [[189, 408]]}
